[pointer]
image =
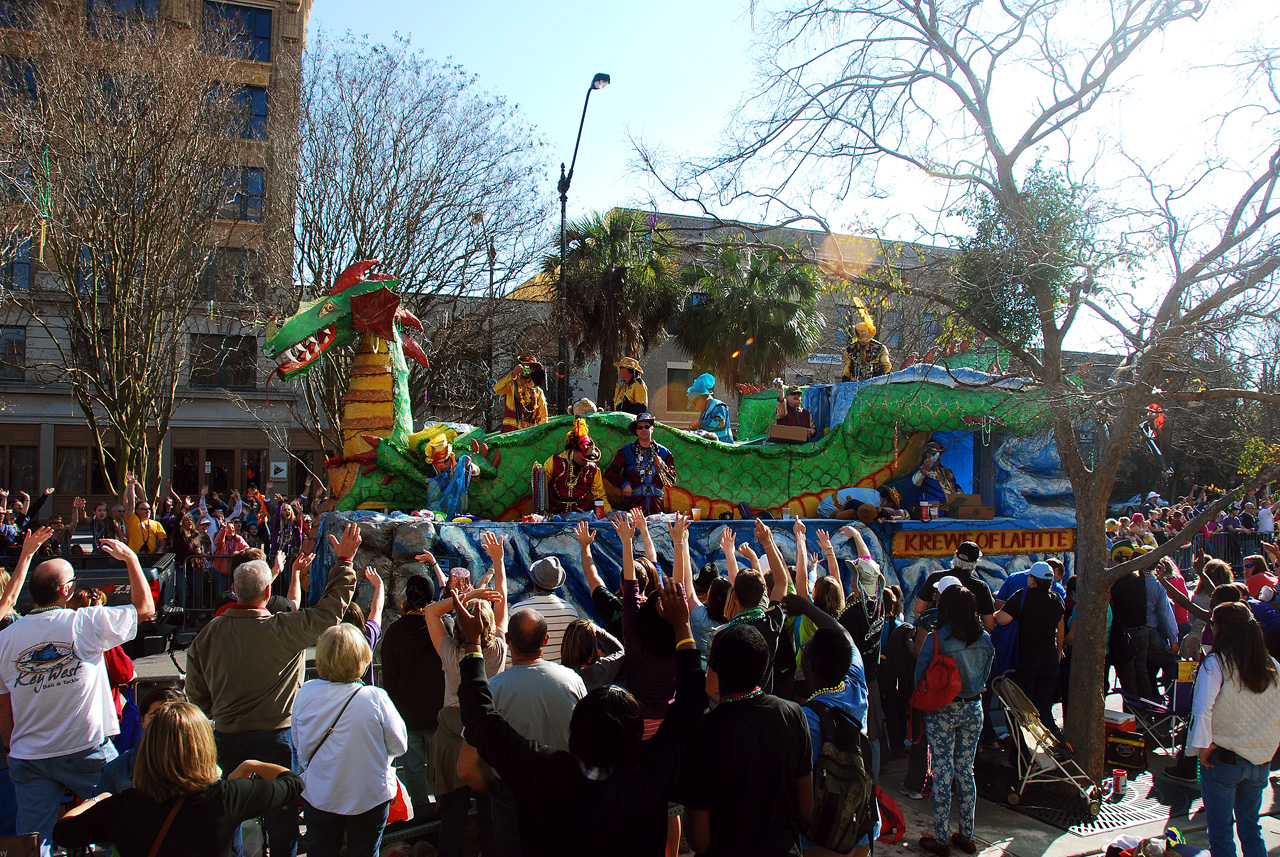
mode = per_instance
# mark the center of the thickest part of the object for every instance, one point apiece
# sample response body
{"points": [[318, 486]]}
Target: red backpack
{"points": [[893, 824], [940, 684]]}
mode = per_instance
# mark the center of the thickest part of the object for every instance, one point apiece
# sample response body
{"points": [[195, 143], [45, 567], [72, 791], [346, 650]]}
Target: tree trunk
{"points": [[608, 374], [1089, 651]]}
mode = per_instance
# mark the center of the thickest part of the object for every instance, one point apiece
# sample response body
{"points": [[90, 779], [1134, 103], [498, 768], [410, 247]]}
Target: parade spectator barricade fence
{"points": [[1227, 546], [109, 575]]}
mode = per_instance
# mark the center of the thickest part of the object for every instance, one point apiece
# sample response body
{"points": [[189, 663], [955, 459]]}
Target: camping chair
{"points": [[1161, 719], [1039, 756]]}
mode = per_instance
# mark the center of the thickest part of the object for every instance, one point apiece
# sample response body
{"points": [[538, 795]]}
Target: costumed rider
{"points": [[573, 476], [642, 470], [631, 395], [865, 357], [523, 386], [933, 479], [790, 413], [713, 417]]}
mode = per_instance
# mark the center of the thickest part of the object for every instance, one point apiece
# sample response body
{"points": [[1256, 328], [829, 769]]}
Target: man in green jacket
{"points": [[244, 670]]}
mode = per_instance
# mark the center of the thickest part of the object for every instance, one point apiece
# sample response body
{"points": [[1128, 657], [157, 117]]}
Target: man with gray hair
{"points": [[244, 670], [547, 575]]}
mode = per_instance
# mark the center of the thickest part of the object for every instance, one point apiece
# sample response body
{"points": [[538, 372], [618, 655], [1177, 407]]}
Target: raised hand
{"points": [[623, 525], [672, 606], [116, 549], [638, 520], [798, 529], [726, 541], [48, 491], [277, 565], [680, 528], [371, 575], [34, 539], [468, 623], [824, 539], [582, 532], [493, 546], [346, 549], [763, 534], [302, 562], [749, 552]]}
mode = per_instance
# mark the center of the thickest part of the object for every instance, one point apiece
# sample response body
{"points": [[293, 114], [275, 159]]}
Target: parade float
{"points": [[420, 490]]}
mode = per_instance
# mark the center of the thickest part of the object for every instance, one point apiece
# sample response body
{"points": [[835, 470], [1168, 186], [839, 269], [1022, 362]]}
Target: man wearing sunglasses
{"points": [[146, 534]]}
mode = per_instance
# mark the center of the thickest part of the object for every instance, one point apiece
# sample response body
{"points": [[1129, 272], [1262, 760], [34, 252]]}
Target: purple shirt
{"points": [[650, 678]]}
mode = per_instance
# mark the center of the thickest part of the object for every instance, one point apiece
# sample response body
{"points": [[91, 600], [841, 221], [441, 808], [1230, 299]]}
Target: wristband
{"points": [[867, 556], [686, 640], [472, 655]]}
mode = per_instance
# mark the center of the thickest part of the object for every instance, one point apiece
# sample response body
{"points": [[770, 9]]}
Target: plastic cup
{"points": [[696, 513]]}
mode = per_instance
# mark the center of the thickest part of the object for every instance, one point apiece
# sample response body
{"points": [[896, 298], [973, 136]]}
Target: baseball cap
{"points": [[945, 582], [1041, 571]]}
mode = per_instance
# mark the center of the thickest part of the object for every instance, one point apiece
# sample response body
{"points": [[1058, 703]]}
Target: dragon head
{"points": [[359, 302]]}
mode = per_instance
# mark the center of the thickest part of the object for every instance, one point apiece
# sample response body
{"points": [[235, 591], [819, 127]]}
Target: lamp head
{"points": [[600, 81]]}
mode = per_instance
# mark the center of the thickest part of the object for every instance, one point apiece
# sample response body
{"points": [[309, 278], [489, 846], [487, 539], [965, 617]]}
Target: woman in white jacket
{"points": [[1235, 728], [347, 736]]}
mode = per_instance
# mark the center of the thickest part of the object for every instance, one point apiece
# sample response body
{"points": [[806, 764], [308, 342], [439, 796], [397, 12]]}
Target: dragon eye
{"points": [[328, 309]]}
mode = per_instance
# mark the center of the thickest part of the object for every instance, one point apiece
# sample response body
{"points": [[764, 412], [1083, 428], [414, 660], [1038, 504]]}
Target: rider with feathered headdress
{"points": [[574, 481]]}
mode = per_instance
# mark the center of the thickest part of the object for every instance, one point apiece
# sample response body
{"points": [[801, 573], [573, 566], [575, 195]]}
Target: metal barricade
{"points": [[197, 591]]}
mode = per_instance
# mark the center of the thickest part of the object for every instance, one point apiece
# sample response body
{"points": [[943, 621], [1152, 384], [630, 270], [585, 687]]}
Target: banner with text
{"points": [[943, 543]]}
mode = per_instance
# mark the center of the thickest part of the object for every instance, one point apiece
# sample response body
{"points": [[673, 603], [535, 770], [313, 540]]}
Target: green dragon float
{"points": [[385, 465]]}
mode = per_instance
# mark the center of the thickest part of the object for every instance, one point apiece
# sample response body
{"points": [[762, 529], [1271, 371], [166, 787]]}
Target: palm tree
{"points": [[622, 288], [757, 312]]}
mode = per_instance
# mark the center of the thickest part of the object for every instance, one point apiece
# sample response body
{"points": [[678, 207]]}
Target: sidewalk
{"points": [[1001, 831]]}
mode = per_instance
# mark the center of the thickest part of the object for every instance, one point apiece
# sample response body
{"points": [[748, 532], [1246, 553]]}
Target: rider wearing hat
{"points": [[573, 476], [714, 414], [790, 413], [525, 402], [631, 395], [643, 469], [934, 479]]}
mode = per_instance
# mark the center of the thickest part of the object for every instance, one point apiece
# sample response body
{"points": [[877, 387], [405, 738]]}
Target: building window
{"points": [[21, 473], [678, 381], [138, 10], [13, 354], [228, 276], [15, 273], [244, 195], [241, 31], [98, 483], [71, 468], [224, 361], [251, 108]]}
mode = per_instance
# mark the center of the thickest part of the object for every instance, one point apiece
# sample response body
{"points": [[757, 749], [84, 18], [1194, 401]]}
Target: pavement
{"points": [[999, 829]]}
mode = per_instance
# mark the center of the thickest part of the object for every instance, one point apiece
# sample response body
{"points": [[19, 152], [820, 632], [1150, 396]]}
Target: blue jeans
{"points": [[1233, 793], [412, 767], [363, 831], [39, 783], [280, 825]]}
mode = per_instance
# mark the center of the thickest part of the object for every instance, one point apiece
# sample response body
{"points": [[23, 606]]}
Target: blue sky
{"points": [[678, 68]]}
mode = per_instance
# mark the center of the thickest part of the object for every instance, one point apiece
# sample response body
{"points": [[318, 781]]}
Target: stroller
{"points": [[1040, 756]]}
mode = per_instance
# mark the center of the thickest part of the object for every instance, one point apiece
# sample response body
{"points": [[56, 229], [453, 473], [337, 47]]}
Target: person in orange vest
{"points": [[522, 387]]}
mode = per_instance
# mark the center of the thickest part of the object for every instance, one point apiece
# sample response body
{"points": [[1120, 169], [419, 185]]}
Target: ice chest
{"points": [[788, 434], [1126, 750], [1119, 721]]}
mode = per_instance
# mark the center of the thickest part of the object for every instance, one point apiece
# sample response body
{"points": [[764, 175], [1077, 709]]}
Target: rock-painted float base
{"points": [[390, 543]]}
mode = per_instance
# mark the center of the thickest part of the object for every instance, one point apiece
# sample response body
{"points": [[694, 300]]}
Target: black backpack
{"points": [[844, 793]]}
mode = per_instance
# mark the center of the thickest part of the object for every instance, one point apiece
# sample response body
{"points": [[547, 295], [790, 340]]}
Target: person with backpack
{"points": [[844, 818], [953, 728]]}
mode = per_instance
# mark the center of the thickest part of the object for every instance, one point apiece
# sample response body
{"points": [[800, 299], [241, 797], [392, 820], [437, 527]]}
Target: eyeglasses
{"points": [[142, 508], [71, 582]]}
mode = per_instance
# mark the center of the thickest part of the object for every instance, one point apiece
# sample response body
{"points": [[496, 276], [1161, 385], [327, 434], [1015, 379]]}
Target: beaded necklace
{"points": [[36, 610], [746, 616], [739, 697], [527, 400], [817, 693]]}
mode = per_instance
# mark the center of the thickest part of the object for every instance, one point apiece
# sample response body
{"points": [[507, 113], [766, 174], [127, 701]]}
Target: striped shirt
{"points": [[558, 613]]}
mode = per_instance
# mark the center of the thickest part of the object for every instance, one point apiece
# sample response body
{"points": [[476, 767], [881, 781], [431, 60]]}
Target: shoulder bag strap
{"points": [[168, 822], [329, 731]]}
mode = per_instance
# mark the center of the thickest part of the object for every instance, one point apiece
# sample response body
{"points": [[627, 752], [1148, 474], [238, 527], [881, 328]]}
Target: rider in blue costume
{"points": [[714, 416], [641, 470]]}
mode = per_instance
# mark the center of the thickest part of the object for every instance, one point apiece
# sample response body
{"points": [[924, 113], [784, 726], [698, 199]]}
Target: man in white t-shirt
{"points": [[56, 712]]}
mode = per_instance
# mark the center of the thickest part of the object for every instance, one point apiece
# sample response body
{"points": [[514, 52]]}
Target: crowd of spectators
{"points": [[553, 733]]}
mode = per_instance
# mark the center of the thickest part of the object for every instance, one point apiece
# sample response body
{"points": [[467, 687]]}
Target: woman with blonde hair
{"points": [[347, 735], [178, 807], [449, 788], [592, 652]]}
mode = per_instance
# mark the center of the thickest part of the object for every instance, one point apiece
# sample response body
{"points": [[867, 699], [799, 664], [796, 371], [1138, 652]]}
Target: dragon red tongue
{"points": [[413, 350]]}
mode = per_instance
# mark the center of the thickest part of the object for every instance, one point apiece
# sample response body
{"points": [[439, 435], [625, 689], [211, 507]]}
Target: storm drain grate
{"points": [[1147, 800]]}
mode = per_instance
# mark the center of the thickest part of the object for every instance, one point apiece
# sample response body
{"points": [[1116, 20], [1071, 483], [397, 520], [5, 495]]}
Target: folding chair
{"points": [[1161, 719], [1039, 756]]}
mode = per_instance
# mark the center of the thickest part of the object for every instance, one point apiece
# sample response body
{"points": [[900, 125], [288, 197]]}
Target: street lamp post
{"points": [[600, 81]]}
